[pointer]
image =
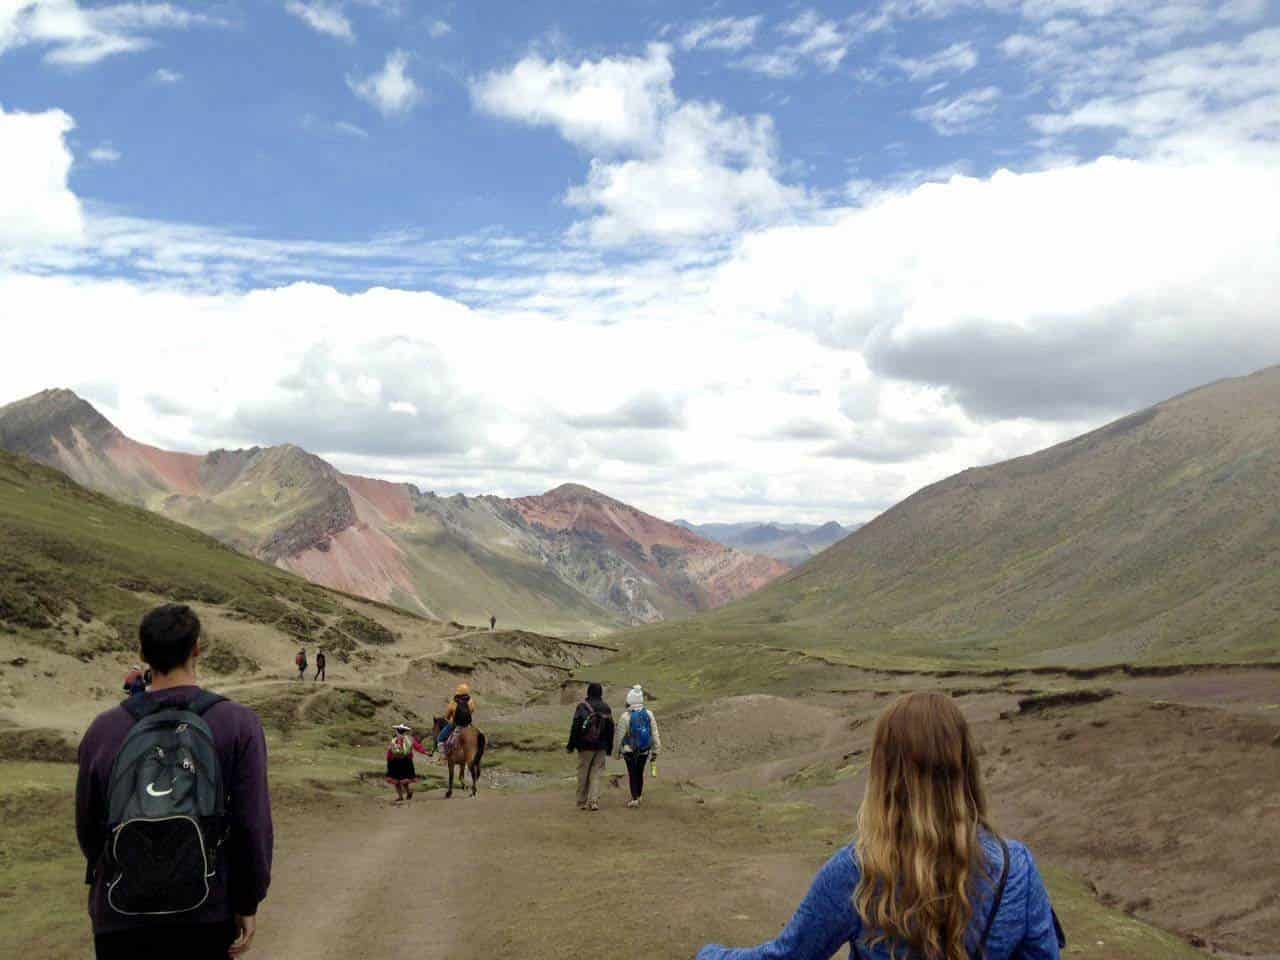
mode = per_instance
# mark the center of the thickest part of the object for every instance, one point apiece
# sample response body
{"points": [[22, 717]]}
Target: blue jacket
{"points": [[826, 920]]}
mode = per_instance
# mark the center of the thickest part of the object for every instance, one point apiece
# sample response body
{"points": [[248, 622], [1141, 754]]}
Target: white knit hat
{"points": [[635, 697]]}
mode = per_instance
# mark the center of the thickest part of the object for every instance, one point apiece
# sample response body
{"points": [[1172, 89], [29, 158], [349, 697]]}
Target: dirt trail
{"points": [[503, 875]]}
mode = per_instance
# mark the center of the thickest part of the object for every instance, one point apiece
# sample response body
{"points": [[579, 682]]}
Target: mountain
{"points": [[792, 543], [1154, 539], [571, 560]]}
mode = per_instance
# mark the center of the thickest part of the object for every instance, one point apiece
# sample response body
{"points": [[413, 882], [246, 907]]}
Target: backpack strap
{"points": [[995, 903], [203, 700], [143, 705]]}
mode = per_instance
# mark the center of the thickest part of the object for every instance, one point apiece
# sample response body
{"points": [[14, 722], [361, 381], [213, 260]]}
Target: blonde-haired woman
{"points": [[928, 878]]}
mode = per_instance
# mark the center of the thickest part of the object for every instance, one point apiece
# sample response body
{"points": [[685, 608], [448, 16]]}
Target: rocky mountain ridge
{"points": [[571, 560]]}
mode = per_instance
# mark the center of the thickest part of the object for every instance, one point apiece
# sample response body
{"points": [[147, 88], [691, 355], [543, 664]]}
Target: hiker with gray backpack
{"points": [[591, 734], [172, 811]]}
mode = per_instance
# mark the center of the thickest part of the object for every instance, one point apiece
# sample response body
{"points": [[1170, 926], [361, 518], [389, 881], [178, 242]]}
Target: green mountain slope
{"points": [[78, 568], [1154, 539]]}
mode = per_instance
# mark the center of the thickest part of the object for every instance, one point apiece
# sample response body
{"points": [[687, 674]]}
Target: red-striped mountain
{"points": [[571, 560]]}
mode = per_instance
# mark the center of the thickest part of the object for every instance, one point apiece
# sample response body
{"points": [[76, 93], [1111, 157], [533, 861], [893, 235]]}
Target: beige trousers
{"points": [[590, 775]]}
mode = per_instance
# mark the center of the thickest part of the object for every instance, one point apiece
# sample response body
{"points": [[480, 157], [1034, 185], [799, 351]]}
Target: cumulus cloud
{"points": [[644, 411], [391, 91], [37, 207], [609, 104], [166, 77], [959, 114], [323, 18], [663, 168], [78, 36], [1031, 295]]}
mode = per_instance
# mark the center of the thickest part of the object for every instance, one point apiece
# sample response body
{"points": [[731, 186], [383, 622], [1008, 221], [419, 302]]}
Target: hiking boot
{"points": [[582, 805], [593, 807], [633, 803]]}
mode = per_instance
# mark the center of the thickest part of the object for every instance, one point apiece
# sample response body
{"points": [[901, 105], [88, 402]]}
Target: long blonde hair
{"points": [[918, 844]]}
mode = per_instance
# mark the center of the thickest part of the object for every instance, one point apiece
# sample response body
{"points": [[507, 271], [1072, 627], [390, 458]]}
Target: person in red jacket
{"points": [[400, 770]]}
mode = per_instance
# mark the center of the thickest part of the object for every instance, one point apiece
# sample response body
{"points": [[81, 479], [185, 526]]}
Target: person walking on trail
{"points": [[493, 623], [320, 662], [169, 782], [591, 734], [400, 770], [928, 875], [134, 681], [300, 661], [638, 741], [461, 694]]}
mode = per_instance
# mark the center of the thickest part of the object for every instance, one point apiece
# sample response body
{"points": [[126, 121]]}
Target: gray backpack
{"points": [[166, 809]]}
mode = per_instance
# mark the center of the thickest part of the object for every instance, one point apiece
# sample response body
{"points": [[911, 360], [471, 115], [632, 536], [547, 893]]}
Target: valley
{"points": [[1135, 753]]}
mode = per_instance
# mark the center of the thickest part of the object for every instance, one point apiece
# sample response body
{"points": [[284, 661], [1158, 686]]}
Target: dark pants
{"points": [[635, 772], [190, 941], [319, 672]]}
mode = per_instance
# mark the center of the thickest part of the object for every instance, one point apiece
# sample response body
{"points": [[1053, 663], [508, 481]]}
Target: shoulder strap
{"points": [[139, 705], [203, 700], [995, 903]]}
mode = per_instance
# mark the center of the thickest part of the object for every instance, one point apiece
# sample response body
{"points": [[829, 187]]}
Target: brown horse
{"points": [[464, 749]]}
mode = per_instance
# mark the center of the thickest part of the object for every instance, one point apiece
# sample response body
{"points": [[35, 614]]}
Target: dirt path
{"points": [[519, 874]]}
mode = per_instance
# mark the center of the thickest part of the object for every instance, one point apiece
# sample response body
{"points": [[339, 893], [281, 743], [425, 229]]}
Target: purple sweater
{"points": [[244, 863]]}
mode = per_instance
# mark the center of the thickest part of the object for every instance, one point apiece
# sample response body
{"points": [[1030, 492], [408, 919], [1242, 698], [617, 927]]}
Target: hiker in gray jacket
{"points": [[638, 741]]}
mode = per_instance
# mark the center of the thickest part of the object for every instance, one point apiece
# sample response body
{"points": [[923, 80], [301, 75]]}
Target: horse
{"points": [[468, 748]]}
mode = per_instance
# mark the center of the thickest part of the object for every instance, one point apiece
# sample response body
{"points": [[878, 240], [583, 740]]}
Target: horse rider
{"points": [[461, 694]]}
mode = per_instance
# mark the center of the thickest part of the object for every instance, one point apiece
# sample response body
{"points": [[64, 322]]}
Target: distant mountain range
{"points": [[792, 543], [1155, 539], [571, 560]]}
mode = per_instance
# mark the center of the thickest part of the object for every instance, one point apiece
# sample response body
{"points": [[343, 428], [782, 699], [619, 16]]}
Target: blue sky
{"points": [[742, 260]]}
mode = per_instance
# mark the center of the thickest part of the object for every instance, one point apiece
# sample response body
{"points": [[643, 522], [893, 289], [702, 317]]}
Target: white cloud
{"points": [[438, 29], [662, 168], [166, 77], [351, 129], [725, 33], [958, 58], [1055, 294], [811, 37], [605, 105], [959, 114], [391, 90], [104, 153], [322, 17], [37, 208], [78, 36]]}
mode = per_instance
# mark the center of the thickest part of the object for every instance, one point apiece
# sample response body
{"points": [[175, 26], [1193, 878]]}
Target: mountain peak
{"points": [[575, 491], [33, 424]]}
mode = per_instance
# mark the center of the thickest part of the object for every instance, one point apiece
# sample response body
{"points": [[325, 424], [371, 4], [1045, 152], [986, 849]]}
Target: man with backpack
{"points": [[591, 734], [639, 741], [300, 661], [172, 811], [320, 663]]}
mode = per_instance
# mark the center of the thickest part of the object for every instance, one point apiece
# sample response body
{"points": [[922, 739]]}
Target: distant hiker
{"points": [[461, 694], [400, 770], [638, 741], [591, 734], [320, 661], [170, 781], [493, 623], [134, 681], [928, 875], [300, 661]]}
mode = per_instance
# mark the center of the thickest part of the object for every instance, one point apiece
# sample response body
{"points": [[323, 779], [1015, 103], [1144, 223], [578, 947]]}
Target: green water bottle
{"points": [[653, 769]]}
